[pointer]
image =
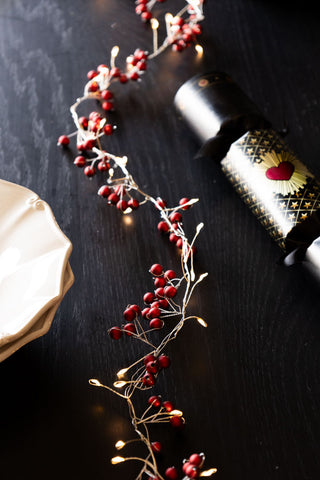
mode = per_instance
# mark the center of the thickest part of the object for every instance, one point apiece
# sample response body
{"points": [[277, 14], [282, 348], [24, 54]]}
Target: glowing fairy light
{"points": [[119, 384], [95, 382], [116, 460], [199, 50], [120, 444], [121, 190], [202, 322], [177, 413], [208, 473], [121, 373]]}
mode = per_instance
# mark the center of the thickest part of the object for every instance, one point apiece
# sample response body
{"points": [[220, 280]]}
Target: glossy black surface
{"points": [[249, 383]]}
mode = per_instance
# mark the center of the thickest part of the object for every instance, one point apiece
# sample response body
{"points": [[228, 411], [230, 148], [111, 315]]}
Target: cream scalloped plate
{"points": [[34, 270]]}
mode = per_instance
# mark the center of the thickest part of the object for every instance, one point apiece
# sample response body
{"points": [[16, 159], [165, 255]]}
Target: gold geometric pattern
{"points": [[278, 213]]}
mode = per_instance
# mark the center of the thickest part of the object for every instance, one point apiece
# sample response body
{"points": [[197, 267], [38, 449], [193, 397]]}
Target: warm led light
{"points": [[95, 382], [202, 322], [176, 413], [154, 24], [127, 210], [208, 473], [120, 444], [202, 276], [119, 384], [116, 460], [199, 227], [168, 17], [199, 50], [111, 172], [115, 51], [121, 373]]}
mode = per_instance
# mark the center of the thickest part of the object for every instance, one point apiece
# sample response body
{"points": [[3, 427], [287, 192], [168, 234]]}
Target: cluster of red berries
{"points": [[175, 220], [157, 302], [117, 195], [184, 33], [191, 466], [143, 10], [176, 421], [153, 365]]}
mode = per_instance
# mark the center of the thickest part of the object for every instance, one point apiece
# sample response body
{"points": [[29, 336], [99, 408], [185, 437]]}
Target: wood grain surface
{"points": [[248, 384]]}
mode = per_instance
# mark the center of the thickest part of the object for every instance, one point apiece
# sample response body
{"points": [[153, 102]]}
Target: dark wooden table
{"points": [[249, 383]]}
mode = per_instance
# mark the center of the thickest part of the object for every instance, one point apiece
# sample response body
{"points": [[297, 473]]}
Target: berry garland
{"points": [[171, 294]]}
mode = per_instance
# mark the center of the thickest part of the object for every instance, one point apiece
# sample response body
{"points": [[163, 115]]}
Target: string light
{"points": [[182, 30], [208, 473]]}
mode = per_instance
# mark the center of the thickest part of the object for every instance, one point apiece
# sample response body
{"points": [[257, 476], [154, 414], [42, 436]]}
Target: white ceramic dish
{"points": [[42, 326], [34, 255]]}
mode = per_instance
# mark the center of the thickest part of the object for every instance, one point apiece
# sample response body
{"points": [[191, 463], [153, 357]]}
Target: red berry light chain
{"points": [[168, 301]]}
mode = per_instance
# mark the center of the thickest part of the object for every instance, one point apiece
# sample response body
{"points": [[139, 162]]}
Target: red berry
{"points": [[170, 291], [80, 161], [120, 190], [84, 122], [108, 129], [175, 217], [149, 358], [179, 242], [154, 312], [185, 466], [183, 201], [122, 205], [159, 292], [161, 203], [156, 269], [145, 312], [173, 238], [94, 116], [163, 303], [193, 472], [155, 401], [129, 314], [115, 333], [93, 87], [172, 473], [103, 166], [197, 29], [148, 297], [129, 328], [164, 361], [140, 54], [91, 74], [152, 367], [177, 422], [196, 459], [155, 304], [163, 227], [142, 65], [168, 406], [106, 95], [115, 72], [89, 171], [104, 191], [113, 198], [141, 8], [134, 76], [133, 203], [107, 106], [156, 323], [148, 379], [159, 282], [136, 308], [102, 67], [170, 275], [89, 144], [123, 78], [146, 16], [63, 140], [156, 447]]}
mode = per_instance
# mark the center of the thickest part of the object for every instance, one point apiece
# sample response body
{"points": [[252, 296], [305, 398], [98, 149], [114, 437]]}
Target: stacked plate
{"points": [[34, 267]]}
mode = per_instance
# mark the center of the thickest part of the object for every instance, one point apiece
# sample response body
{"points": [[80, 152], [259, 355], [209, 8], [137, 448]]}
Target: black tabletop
{"points": [[248, 384]]}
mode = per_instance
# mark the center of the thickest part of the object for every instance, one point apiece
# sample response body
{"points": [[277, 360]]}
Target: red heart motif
{"points": [[282, 172]]}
